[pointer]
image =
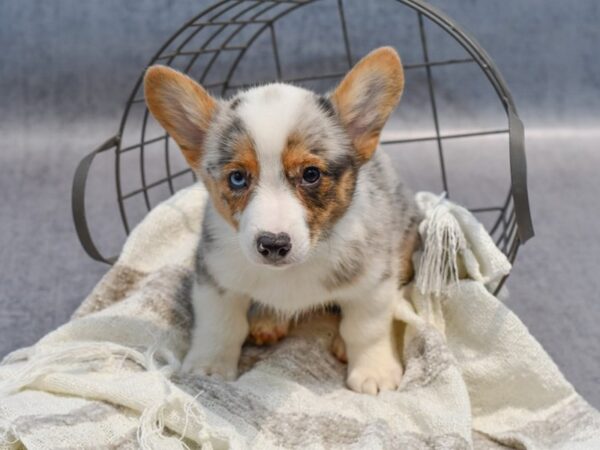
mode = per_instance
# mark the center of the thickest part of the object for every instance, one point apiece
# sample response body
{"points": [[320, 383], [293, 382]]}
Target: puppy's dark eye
{"points": [[311, 175], [238, 180]]}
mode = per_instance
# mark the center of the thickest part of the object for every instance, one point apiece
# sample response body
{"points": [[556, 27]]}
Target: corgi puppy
{"points": [[304, 211]]}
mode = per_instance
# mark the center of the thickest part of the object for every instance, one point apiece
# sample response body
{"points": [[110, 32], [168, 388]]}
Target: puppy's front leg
{"points": [[367, 329], [220, 328]]}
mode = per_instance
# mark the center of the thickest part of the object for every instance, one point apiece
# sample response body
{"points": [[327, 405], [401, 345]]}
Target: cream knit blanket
{"points": [[475, 377]]}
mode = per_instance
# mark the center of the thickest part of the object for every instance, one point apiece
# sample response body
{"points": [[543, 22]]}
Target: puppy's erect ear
{"points": [[182, 107], [367, 95]]}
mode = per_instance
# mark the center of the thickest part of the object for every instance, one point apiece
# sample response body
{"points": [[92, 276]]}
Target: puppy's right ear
{"points": [[182, 107]]}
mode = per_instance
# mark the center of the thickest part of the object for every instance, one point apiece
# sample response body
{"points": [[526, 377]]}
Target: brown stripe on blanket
{"points": [[302, 430], [330, 430], [115, 285], [165, 292], [225, 399]]}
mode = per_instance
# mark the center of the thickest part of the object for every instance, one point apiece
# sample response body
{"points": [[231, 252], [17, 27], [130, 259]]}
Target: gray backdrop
{"points": [[67, 66]]}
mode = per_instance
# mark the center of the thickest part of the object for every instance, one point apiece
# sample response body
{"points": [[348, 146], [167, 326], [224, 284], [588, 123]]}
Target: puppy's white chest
{"points": [[290, 290]]}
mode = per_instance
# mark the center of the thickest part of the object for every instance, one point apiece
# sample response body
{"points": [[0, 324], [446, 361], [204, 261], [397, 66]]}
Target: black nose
{"points": [[273, 247]]}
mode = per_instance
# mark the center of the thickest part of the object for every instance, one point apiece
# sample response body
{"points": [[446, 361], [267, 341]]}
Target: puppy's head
{"points": [[279, 162]]}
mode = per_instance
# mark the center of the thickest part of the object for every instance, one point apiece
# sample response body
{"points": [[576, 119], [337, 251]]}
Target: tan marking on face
{"points": [[326, 200], [367, 95], [182, 107], [228, 202], [297, 156]]}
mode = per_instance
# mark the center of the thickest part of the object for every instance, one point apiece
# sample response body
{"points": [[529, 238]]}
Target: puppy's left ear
{"points": [[366, 97]]}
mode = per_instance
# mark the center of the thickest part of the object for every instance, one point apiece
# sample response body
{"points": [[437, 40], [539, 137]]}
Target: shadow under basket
{"points": [[450, 106]]}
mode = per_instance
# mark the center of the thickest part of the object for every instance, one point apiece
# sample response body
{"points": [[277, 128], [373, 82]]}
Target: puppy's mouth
{"points": [[278, 265]]}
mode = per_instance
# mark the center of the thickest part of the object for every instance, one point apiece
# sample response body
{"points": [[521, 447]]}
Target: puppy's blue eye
{"points": [[238, 180], [311, 175]]}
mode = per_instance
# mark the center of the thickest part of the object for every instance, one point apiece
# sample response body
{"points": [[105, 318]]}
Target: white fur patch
{"points": [[270, 114]]}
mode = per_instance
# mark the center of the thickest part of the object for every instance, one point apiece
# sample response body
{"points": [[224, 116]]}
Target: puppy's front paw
{"points": [[221, 366], [376, 377], [266, 329]]}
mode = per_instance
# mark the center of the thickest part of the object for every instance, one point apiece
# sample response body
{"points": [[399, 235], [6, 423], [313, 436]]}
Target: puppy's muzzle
{"points": [[273, 247]]}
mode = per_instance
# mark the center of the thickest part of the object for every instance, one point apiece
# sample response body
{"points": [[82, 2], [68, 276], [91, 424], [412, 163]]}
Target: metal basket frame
{"points": [[513, 225]]}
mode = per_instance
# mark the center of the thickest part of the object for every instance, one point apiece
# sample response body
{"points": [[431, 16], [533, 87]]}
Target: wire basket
{"points": [[219, 48]]}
